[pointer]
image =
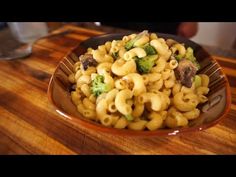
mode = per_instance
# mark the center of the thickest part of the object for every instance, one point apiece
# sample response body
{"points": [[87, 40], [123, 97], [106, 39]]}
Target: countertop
{"points": [[30, 125]]}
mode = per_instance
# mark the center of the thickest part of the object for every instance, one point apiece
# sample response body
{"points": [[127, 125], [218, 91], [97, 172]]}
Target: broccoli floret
{"points": [[129, 45], [197, 81], [178, 57], [145, 64], [129, 117], [196, 64], [149, 49], [190, 56], [98, 86]]}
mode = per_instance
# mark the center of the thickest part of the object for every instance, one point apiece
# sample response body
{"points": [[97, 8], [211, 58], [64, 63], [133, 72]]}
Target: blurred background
{"points": [[218, 34], [219, 37]]}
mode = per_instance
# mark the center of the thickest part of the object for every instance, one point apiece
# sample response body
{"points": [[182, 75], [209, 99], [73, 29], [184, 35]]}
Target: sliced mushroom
{"points": [[72, 88], [87, 60], [185, 71]]}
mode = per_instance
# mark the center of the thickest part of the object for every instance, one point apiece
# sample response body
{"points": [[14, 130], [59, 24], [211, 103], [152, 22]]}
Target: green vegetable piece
{"points": [[98, 86], [145, 64], [149, 49], [115, 55], [190, 56], [129, 45], [197, 65], [197, 81], [178, 57], [129, 117]]}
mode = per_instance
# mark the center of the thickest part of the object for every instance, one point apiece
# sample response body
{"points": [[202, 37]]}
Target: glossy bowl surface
{"points": [[211, 112]]}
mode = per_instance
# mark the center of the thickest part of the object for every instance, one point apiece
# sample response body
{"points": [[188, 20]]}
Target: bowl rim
{"points": [[160, 132]]}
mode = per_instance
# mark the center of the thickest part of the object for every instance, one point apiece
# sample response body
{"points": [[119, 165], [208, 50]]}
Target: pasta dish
{"points": [[140, 82]]}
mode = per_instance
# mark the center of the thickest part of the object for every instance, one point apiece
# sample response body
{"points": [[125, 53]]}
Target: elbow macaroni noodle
{"points": [[139, 52], [121, 67], [153, 100]]}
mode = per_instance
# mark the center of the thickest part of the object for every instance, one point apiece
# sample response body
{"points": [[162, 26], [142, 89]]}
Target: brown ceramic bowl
{"points": [[211, 112]]}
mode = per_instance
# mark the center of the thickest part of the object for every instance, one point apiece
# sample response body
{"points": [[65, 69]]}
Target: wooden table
{"points": [[29, 124]]}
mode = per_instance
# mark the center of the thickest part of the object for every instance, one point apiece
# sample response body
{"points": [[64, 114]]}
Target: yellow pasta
{"points": [[166, 91], [76, 66], [202, 98], [108, 45], [186, 90], [112, 107], [185, 102], [88, 104], [121, 52], [166, 74], [202, 90], [153, 36], [89, 71], [85, 90], [152, 77], [138, 109], [155, 123], [161, 48], [72, 78], [104, 67], [120, 101], [169, 83], [143, 40], [88, 113], [121, 84], [118, 87], [139, 52], [75, 97], [121, 123], [192, 114], [100, 57], [84, 79], [92, 98], [109, 80], [178, 47], [154, 115], [153, 98], [139, 125], [78, 74], [160, 65], [125, 38], [176, 119], [205, 80], [155, 85], [121, 67], [110, 96], [138, 82], [176, 88], [163, 114], [115, 119], [106, 120], [172, 64]]}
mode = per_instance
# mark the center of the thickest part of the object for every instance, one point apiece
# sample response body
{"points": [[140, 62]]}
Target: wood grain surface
{"points": [[30, 125]]}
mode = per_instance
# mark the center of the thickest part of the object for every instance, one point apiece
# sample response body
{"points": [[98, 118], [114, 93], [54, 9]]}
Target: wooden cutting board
{"points": [[30, 125]]}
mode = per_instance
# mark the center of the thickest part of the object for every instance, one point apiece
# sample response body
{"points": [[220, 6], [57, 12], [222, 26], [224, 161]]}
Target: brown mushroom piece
{"points": [[185, 71], [72, 88], [87, 60]]}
